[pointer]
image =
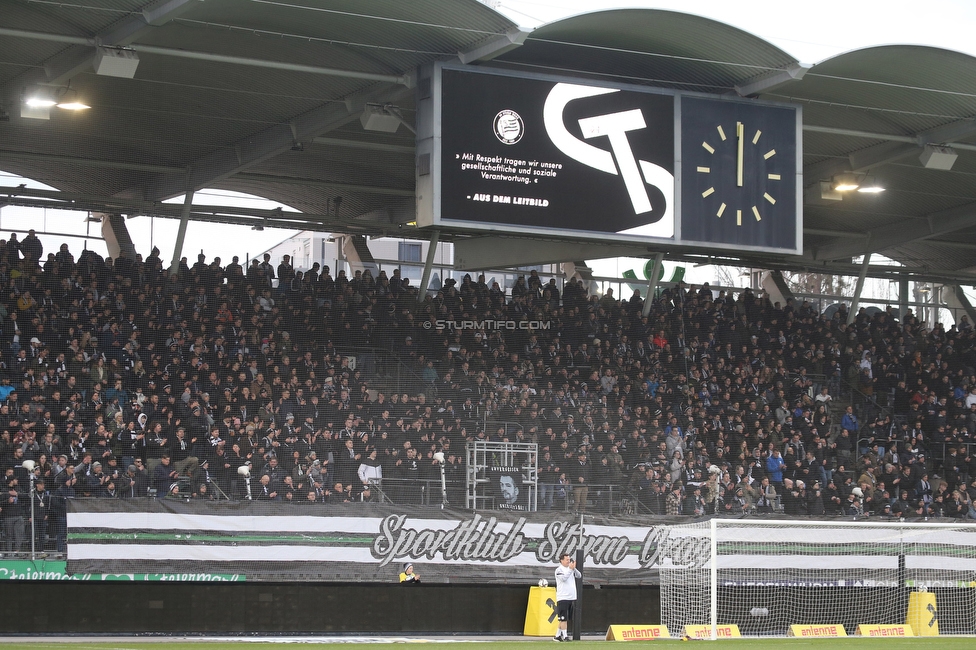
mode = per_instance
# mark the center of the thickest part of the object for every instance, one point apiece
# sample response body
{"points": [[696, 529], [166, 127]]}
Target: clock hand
{"points": [[740, 129]]}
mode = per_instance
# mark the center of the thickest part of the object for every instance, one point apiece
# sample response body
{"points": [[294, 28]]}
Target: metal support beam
{"points": [[871, 135], [368, 146], [389, 224], [155, 14], [315, 182], [492, 252], [403, 80], [6, 154], [895, 148], [116, 236], [435, 237], [902, 298], [772, 79], [181, 233], [901, 233], [48, 37], [269, 143], [494, 47], [69, 39], [826, 232], [55, 234], [956, 294], [808, 265], [947, 132], [952, 244], [854, 133], [776, 287], [858, 288], [652, 284], [168, 169], [880, 154], [61, 68]]}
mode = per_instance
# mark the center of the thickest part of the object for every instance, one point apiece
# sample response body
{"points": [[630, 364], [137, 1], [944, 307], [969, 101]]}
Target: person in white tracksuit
{"points": [[566, 575]]}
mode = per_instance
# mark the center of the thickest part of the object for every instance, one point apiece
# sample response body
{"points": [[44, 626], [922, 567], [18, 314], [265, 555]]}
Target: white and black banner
{"points": [[351, 542], [371, 542]]}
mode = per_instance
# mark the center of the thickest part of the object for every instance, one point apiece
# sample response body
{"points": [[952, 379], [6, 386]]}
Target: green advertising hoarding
{"points": [[57, 570]]}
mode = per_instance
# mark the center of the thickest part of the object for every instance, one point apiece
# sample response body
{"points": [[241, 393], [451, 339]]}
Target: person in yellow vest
{"points": [[408, 577]]}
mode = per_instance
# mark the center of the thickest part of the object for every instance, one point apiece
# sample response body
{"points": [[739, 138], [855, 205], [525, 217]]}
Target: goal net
{"points": [[765, 576]]}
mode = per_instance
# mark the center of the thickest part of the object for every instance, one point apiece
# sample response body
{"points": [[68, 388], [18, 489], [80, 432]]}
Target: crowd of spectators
{"points": [[121, 378]]}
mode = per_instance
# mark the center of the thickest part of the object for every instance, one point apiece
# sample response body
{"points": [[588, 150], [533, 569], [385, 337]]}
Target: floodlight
{"points": [[73, 106], [37, 103], [845, 182], [870, 185]]}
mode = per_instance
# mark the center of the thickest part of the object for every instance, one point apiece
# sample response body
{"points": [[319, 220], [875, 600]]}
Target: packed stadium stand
{"points": [[122, 381]]}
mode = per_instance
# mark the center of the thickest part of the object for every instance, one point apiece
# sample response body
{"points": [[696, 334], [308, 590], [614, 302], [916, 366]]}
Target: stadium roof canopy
{"points": [[265, 97]]}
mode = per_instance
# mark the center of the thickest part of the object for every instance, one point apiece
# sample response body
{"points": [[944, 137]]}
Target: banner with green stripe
{"points": [[356, 542]]}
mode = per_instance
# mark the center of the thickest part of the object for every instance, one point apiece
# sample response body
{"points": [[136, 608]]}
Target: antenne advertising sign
{"points": [[535, 154]]}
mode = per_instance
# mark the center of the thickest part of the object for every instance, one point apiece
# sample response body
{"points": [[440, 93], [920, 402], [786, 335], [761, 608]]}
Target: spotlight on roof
{"points": [[40, 102], [870, 185], [37, 103], [844, 182], [73, 106]]}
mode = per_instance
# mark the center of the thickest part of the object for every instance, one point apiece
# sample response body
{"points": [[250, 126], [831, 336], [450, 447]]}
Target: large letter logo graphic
{"points": [[614, 127]]}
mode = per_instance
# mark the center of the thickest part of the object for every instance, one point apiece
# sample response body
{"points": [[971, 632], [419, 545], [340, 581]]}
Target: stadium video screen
{"points": [[552, 156], [521, 152]]}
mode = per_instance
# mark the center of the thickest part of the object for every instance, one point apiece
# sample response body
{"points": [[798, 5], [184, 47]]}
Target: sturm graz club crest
{"points": [[508, 127]]}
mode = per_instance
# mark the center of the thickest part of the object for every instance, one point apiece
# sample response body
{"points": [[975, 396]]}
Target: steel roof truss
{"points": [[268, 143], [771, 80], [903, 232], [494, 47]]}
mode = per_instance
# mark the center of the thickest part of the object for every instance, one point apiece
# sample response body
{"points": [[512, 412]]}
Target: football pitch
{"points": [[942, 643]]}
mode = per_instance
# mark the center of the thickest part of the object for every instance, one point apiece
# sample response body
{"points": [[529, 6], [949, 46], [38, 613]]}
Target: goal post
{"points": [[764, 576]]}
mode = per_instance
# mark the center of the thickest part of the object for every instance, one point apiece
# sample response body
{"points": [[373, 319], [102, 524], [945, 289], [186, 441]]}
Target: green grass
{"points": [[941, 643]]}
